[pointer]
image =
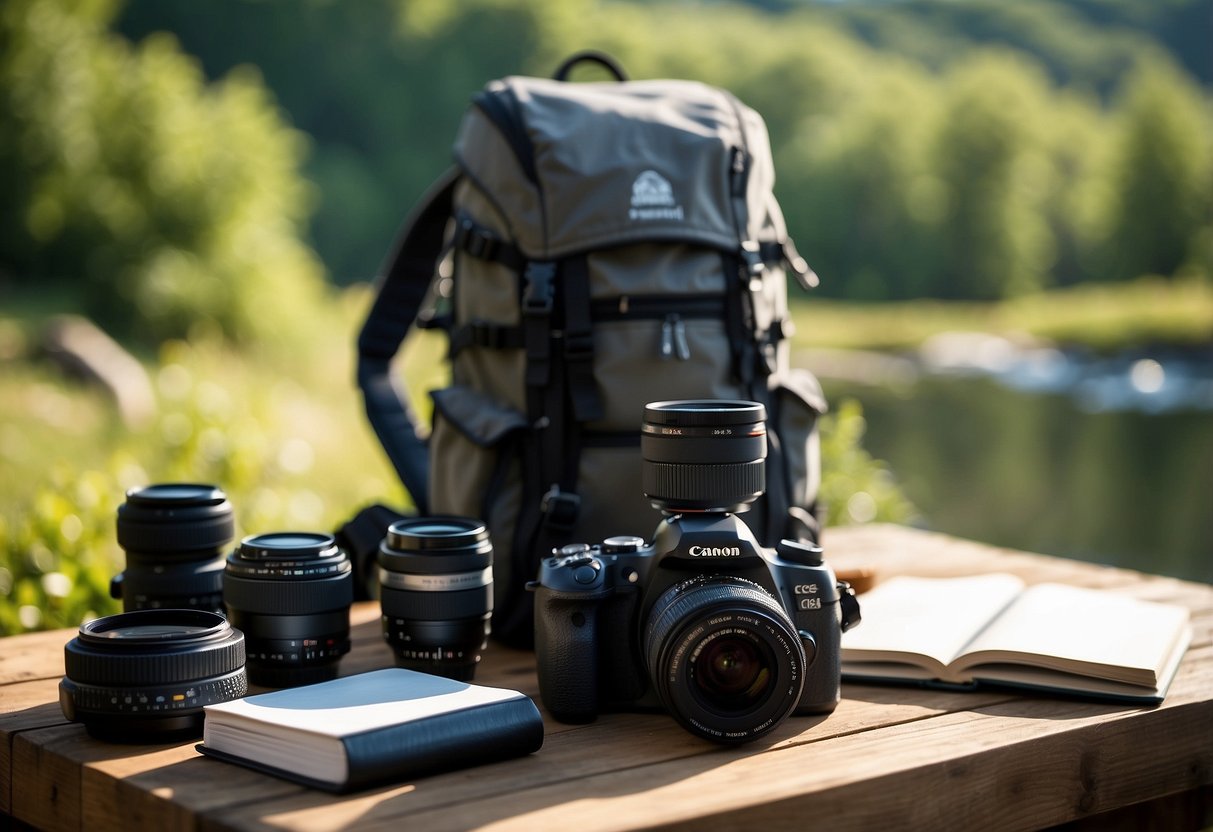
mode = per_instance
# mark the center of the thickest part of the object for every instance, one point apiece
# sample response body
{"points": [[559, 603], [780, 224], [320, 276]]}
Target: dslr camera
{"points": [[728, 636]]}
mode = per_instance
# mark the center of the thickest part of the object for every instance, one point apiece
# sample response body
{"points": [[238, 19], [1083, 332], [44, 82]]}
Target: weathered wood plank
{"points": [[870, 763], [24, 706], [1032, 762]]}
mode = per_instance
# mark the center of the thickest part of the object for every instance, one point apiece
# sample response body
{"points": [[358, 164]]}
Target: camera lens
{"points": [[145, 676], [703, 454], [290, 592], [174, 536], [724, 658], [436, 577]]}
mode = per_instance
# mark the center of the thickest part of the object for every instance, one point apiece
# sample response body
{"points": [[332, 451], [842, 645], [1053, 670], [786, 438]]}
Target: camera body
{"points": [[674, 624]]}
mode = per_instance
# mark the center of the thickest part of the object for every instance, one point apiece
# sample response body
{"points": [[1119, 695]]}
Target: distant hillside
{"points": [[1087, 43]]}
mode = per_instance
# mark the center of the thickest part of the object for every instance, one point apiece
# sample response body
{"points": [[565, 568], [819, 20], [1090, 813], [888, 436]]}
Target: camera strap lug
{"points": [[848, 606]]}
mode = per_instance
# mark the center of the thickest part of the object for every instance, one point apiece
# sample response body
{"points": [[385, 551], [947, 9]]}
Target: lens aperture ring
{"points": [[168, 698], [288, 569], [288, 596]]}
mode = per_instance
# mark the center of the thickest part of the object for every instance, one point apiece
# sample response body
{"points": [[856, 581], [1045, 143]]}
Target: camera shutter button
{"points": [[586, 573]]}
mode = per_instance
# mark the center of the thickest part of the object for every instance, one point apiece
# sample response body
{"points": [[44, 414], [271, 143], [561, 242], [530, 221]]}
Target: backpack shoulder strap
{"points": [[406, 278]]}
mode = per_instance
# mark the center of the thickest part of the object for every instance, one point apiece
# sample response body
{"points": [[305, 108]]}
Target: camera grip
{"points": [[566, 649]]}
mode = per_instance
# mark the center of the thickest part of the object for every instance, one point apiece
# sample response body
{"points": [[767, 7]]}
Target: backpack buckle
{"points": [[475, 241], [560, 508], [540, 278]]}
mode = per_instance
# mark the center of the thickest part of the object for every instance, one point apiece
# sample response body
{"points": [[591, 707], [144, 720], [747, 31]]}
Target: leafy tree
{"points": [[990, 157], [1162, 175], [159, 200]]}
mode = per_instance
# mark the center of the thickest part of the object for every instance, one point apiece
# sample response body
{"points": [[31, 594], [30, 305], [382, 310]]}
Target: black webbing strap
{"points": [[579, 341], [406, 278], [476, 240], [737, 320], [486, 335]]}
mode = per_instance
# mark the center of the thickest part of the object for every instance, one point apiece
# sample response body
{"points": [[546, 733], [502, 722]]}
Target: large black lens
{"points": [[145, 676], [703, 454], [174, 536], [724, 658], [290, 592], [436, 577]]}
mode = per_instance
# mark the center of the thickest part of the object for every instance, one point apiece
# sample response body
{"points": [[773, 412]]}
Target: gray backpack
{"points": [[597, 246]]}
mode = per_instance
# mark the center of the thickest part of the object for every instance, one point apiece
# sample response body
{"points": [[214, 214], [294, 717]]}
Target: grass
{"points": [[283, 432]]}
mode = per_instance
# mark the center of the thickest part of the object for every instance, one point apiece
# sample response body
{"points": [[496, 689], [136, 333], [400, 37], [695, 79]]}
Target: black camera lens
{"points": [[703, 454], [290, 592], [145, 676], [174, 536], [436, 590], [724, 658]]}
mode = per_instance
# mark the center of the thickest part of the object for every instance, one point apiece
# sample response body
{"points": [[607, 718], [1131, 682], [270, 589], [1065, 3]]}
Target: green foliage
{"points": [[856, 488], [289, 457], [967, 149], [162, 201], [1162, 175]]}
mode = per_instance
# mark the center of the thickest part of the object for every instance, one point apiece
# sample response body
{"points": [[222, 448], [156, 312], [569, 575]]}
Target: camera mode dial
{"points": [[805, 554]]}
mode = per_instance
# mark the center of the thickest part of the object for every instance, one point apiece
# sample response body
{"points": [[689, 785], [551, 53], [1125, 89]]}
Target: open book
{"points": [[377, 727], [990, 629]]}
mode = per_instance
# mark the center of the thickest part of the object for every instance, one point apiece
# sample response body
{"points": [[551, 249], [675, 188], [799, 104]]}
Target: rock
{"points": [[81, 349]]}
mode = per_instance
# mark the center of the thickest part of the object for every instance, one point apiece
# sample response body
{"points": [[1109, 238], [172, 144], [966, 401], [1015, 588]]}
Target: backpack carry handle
{"points": [[590, 56], [406, 279]]}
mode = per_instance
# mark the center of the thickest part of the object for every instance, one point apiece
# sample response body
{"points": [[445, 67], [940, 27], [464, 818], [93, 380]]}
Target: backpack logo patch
{"points": [[653, 198]]}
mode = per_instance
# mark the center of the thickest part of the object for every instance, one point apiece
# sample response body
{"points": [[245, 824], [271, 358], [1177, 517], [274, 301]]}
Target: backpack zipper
{"points": [[657, 307], [674, 339]]}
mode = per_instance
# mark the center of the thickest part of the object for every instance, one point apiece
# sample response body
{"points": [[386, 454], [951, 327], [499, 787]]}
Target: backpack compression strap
{"points": [[406, 278]]}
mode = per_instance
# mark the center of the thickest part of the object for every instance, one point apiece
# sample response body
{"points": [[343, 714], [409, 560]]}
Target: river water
{"points": [[1102, 459]]}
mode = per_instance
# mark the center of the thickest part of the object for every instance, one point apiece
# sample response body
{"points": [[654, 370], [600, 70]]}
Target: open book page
{"points": [[925, 621], [1090, 632]]}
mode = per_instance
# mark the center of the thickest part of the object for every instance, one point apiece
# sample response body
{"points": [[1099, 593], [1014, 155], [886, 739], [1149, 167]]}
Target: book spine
{"points": [[470, 737]]}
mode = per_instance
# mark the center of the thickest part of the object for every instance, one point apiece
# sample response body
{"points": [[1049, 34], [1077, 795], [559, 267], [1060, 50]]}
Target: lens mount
{"points": [[146, 675], [724, 658], [703, 454]]}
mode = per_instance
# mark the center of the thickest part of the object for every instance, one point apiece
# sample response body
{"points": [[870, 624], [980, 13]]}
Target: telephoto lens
{"points": [[703, 455], [290, 592], [174, 536], [145, 676], [436, 589]]}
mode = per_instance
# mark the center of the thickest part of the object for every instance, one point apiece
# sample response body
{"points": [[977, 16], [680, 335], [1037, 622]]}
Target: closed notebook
{"points": [[991, 630], [372, 728]]}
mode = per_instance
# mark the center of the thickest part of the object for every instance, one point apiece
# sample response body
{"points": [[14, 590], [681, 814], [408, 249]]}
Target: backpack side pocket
{"points": [[798, 402]]}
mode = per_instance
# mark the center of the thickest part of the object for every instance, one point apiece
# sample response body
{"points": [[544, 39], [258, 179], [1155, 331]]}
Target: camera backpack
{"points": [[597, 246]]}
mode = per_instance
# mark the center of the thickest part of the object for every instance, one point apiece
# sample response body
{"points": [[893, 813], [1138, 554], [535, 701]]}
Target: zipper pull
{"points": [[674, 342]]}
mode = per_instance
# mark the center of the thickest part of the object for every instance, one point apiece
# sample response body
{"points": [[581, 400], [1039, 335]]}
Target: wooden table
{"points": [[887, 758]]}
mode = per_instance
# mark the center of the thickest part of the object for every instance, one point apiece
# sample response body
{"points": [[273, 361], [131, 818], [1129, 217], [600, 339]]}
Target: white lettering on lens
{"points": [[714, 552]]}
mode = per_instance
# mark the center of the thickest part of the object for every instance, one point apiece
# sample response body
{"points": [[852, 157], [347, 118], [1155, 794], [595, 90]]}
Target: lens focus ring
{"points": [[287, 596], [741, 481]]}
